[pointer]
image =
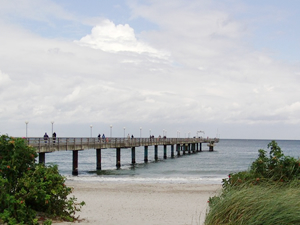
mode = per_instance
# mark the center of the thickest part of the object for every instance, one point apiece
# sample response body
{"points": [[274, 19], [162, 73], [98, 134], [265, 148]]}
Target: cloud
{"points": [[196, 71], [117, 38], [4, 80]]}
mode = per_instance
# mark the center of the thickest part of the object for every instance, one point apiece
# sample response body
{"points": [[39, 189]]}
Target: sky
{"points": [[229, 68]]}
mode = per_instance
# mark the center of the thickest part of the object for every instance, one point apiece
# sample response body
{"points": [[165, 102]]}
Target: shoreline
{"points": [[115, 203]]}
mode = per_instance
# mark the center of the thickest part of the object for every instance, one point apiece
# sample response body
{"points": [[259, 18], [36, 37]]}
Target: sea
{"points": [[229, 156]]}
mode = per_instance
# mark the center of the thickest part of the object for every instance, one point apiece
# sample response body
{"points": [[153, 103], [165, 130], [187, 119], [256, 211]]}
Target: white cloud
{"points": [[117, 38], [195, 71], [4, 80]]}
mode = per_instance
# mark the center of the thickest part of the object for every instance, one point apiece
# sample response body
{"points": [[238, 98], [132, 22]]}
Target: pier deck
{"points": [[78, 144]]}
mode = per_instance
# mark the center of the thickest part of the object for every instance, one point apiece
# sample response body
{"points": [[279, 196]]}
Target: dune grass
{"points": [[268, 193], [257, 204]]}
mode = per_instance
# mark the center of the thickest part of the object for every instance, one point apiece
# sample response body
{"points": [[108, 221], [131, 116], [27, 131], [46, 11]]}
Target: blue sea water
{"points": [[229, 155]]}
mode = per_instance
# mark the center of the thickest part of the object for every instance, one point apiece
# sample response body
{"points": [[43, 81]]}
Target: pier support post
{"points": [[133, 155], [200, 147], [42, 157], [172, 151], [189, 148], [98, 156], [194, 148], [183, 149], [155, 152], [211, 147], [75, 163], [197, 146], [118, 158], [178, 149], [145, 154], [165, 151]]}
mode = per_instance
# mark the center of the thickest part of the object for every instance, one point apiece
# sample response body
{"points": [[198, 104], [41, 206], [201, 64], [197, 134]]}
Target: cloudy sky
{"points": [[230, 68]]}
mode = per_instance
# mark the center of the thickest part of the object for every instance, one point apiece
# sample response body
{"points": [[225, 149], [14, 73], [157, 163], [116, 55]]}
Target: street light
{"points": [[91, 126], [140, 132], [26, 122], [110, 130], [52, 122], [124, 131]]}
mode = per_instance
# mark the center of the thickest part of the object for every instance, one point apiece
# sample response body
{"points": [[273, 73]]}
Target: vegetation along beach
{"points": [[180, 190]]}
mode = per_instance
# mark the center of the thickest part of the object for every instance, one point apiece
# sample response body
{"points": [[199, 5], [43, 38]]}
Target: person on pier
{"points": [[46, 137], [54, 137]]}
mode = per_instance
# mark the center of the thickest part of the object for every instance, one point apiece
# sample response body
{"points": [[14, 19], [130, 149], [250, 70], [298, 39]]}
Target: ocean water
{"points": [[229, 155]]}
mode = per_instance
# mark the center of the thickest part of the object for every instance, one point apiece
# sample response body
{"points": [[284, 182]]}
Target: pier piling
{"points": [[42, 157], [133, 155], [75, 163], [145, 154], [118, 158], [98, 156]]}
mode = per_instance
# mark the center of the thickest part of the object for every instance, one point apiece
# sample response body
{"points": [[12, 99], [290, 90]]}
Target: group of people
{"points": [[46, 137], [99, 137]]}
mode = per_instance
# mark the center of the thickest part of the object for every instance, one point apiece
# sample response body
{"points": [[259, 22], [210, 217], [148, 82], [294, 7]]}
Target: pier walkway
{"points": [[78, 144]]}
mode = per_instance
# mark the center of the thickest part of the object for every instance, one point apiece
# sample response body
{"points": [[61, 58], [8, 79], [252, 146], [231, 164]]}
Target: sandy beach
{"points": [[112, 203]]}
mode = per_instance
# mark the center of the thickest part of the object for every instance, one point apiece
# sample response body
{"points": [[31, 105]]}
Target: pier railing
{"points": [[69, 143]]}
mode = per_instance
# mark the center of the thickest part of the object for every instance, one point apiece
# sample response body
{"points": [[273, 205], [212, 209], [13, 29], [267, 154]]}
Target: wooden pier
{"points": [[182, 145]]}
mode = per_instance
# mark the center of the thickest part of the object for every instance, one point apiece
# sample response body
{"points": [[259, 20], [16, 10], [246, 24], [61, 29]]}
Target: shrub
{"points": [[267, 193], [28, 188]]}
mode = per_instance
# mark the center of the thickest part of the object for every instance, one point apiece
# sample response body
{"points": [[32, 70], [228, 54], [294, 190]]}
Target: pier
{"points": [[180, 145]]}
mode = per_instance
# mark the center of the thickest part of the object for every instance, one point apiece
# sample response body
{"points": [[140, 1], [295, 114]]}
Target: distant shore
{"points": [[114, 203]]}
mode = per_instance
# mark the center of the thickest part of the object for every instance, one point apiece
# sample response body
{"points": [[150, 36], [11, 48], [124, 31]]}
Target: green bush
{"points": [[268, 193], [28, 188]]}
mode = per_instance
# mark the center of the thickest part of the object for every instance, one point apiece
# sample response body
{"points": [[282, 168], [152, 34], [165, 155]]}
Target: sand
{"points": [[112, 203]]}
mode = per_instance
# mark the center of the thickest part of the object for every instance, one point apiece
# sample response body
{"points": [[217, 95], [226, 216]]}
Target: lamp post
{"points": [[52, 122], [26, 122], [110, 130], [91, 126], [140, 132], [124, 131]]}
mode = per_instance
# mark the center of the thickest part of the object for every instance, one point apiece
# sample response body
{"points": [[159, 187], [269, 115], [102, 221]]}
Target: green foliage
{"points": [[256, 205], [267, 193], [28, 188]]}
